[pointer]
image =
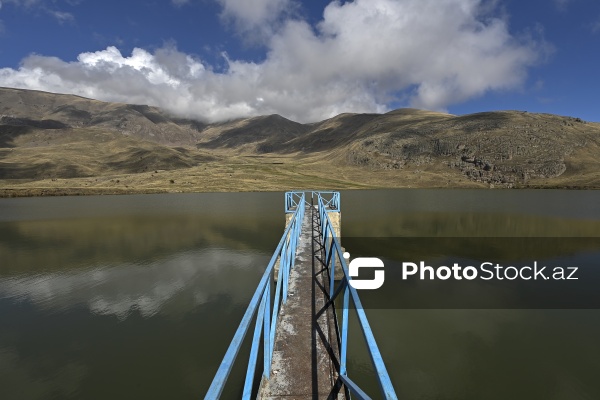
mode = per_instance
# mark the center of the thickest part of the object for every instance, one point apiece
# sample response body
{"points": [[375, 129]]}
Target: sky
{"points": [[310, 60]]}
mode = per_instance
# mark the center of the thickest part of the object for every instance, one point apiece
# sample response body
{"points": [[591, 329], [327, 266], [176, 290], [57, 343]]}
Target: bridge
{"points": [[300, 344]]}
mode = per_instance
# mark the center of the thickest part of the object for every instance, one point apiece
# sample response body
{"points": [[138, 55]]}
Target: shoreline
{"points": [[61, 192]]}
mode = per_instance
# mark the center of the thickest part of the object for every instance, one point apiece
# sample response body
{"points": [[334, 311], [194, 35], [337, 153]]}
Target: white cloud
{"points": [[258, 18], [42, 5], [361, 56], [61, 16]]}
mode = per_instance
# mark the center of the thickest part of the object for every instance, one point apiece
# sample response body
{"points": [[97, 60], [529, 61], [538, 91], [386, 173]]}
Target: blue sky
{"points": [[222, 59]]}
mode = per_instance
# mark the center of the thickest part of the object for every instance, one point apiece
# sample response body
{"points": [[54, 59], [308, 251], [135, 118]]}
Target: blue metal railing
{"points": [[268, 309], [293, 200], [333, 248], [331, 200]]}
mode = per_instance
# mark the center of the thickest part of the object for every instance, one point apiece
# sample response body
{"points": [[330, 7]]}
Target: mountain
{"points": [[504, 148], [265, 134], [34, 109], [70, 144]]}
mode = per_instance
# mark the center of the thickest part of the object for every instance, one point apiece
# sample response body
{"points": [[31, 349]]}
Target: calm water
{"points": [[139, 296]]}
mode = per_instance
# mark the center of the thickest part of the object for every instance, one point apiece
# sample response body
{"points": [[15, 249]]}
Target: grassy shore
{"points": [[267, 173]]}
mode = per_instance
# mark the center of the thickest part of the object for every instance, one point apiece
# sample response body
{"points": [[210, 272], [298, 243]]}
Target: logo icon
{"points": [[365, 262]]}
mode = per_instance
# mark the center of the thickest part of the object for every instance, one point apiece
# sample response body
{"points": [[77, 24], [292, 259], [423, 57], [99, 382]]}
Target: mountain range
{"points": [[66, 144]]}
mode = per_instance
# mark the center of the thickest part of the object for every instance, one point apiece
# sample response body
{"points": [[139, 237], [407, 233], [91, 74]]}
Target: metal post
{"points": [[254, 351]]}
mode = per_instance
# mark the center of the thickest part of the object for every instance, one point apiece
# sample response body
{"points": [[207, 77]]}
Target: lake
{"points": [[139, 296]]}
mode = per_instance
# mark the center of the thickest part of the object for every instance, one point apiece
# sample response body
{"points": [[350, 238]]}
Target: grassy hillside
{"points": [[63, 144]]}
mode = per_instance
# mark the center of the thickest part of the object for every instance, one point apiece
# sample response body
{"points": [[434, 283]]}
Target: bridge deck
{"points": [[305, 356]]}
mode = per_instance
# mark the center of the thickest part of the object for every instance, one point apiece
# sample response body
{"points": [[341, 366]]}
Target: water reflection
{"points": [[139, 296], [127, 297], [454, 224], [433, 352], [145, 288], [487, 354], [51, 245]]}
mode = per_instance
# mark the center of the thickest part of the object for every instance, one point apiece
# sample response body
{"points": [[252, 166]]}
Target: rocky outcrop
{"points": [[496, 148]]}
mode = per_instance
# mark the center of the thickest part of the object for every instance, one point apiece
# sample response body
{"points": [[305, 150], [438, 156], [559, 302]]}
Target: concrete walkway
{"points": [[305, 356]]}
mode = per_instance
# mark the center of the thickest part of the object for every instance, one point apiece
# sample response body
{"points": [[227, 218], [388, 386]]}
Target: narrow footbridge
{"points": [[299, 343]]}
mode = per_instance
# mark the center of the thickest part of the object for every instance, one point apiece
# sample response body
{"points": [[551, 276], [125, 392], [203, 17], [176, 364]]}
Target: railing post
{"points": [[332, 273], [286, 273], [275, 311], [254, 350], [295, 242], [267, 335], [283, 265], [344, 338]]}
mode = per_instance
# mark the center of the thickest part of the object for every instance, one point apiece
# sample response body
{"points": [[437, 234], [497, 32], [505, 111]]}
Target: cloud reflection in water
{"points": [[119, 289]]}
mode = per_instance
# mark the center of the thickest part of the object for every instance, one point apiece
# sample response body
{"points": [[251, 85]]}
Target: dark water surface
{"points": [[127, 297]]}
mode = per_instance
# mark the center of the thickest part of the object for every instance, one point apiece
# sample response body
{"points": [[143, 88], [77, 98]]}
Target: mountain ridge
{"points": [[45, 136]]}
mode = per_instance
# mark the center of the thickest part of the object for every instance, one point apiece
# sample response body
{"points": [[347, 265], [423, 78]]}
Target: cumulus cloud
{"points": [[360, 57]]}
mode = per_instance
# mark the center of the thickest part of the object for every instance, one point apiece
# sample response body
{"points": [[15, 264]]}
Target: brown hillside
{"points": [[51, 143], [265, 134], [33, 108]]}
